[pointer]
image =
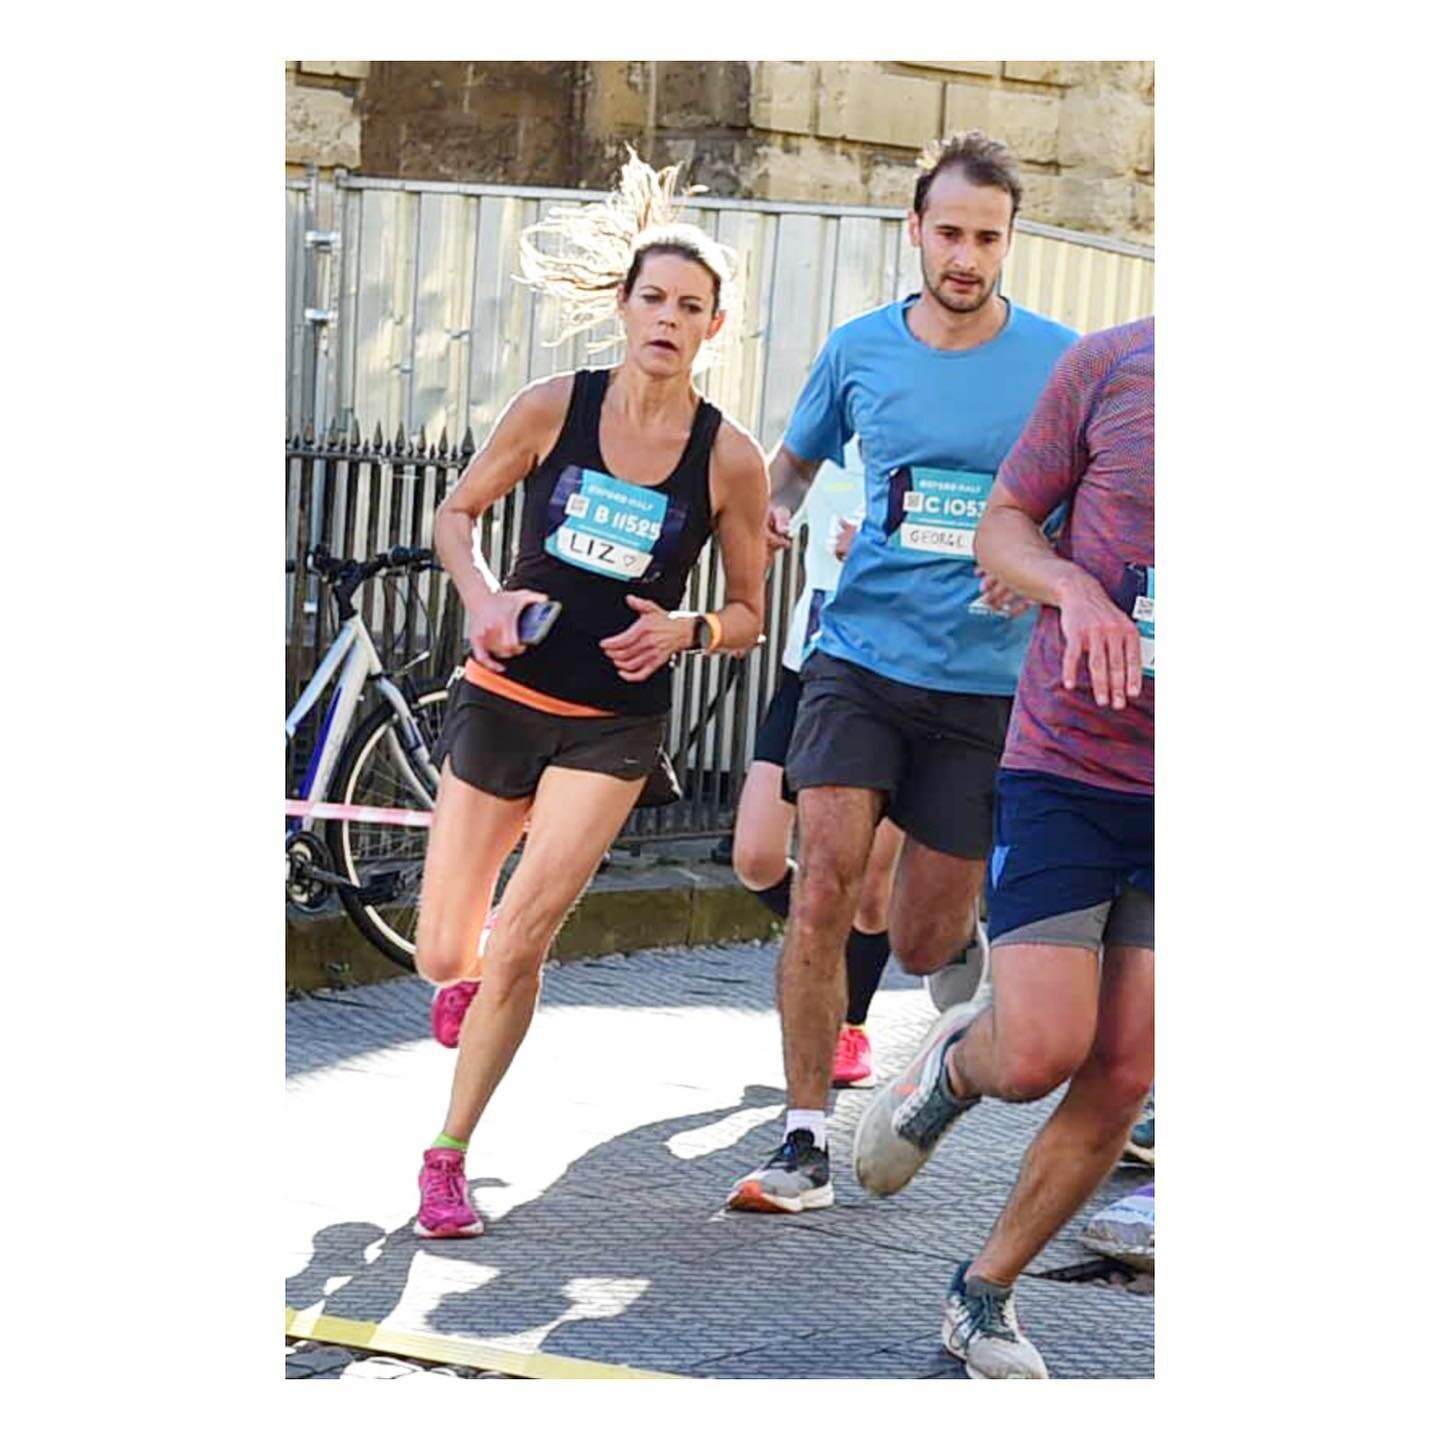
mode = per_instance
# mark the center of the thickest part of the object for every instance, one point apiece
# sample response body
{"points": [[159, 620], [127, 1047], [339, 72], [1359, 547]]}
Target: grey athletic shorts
{"points": [[1129, 919], [931, 753]]}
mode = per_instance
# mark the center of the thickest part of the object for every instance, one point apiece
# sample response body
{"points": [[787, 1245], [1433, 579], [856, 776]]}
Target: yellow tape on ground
{"points": [[447, 1350]]}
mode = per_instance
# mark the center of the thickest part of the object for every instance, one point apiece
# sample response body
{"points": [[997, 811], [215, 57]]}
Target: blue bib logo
{"points": [[610, 527]]}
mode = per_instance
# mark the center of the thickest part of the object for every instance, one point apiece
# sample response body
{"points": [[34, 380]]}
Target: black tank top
{"points": [[588, 539]]}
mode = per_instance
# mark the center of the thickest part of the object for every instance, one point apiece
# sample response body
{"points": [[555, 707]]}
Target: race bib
{"points": [[1143, 615], [607, 526], [939, 510]]}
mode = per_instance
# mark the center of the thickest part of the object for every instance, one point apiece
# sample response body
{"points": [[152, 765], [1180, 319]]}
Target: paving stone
{"points": [[648, 1084]]}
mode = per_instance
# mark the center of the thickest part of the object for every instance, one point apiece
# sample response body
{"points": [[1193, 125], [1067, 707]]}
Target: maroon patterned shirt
{"points": [[1090, 441]]}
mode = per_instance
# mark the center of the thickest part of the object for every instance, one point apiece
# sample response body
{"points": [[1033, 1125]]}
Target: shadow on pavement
{"points": [[629, 1258]]}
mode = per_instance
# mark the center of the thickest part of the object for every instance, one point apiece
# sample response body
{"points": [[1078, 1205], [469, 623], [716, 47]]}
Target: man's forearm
{"points": [[1010, 546], [789, 481]]}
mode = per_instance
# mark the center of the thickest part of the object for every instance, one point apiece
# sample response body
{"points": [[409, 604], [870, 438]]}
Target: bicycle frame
{"points": [[353, 655]]}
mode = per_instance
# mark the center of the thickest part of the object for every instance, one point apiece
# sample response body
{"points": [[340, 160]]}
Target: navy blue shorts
{"points": [[1072, 864]]}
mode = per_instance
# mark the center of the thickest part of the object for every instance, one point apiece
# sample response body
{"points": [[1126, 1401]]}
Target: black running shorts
{"points": [[932, 754], [772, 740], [502, 747]]}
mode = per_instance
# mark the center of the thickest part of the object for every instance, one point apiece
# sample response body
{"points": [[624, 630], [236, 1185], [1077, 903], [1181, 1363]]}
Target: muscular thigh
{"points": [[837, 828], [1046, 1003], [1125, 1030], [576, 816], [932, 908], [471, 833]]}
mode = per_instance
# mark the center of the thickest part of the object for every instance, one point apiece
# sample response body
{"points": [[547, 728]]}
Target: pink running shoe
{"points": [[448, 1010], [852, 1059], [445, 1208]]}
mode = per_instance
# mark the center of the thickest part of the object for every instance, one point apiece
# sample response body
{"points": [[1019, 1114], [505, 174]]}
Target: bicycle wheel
{"points": [[389, 860]]}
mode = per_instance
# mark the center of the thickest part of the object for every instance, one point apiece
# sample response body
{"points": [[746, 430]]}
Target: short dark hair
{"points": [[985, 161]]}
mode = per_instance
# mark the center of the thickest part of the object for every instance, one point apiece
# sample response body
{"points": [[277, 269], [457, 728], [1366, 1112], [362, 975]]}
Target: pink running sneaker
{"points": [[445, 1208], [852, 1059], [448, 1010]]}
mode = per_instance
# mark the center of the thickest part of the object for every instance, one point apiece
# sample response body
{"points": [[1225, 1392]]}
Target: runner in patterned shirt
{"points": [[1072, 871]]}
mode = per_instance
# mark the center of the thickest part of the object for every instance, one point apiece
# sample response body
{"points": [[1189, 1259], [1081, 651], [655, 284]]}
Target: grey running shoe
{"points": [[980, 1328], [908, 1116], [1141, 1144], [966, 978], [796, 1177]]}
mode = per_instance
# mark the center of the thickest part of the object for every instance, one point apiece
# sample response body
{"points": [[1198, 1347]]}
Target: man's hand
{"points": [[491, 628], [843, 538], [1001, 597], [1094, 627], [639, 651], [777, 529]]}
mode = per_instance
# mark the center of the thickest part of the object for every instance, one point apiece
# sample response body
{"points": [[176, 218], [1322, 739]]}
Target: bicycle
{"points": [[373, 789]]}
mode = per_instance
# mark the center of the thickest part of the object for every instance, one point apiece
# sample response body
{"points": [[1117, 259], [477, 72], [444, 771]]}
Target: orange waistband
{"points": [[477, 674]]}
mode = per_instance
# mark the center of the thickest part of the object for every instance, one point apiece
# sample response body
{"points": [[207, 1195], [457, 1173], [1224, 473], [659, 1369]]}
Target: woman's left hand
{"points": [[639, 651]]}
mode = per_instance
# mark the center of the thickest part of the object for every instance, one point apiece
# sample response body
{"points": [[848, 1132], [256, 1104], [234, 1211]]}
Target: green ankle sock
{"points": [[443, 1142]]}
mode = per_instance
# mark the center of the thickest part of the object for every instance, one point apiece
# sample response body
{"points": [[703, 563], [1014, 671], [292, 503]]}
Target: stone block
{"points": [[321, 127], [1145, 164], [610, 920], [782, 96], [1103, 205], [962, 67], [720, 915], [861, 103], [1041, 200], [397, 89], [1104, 132], [702, 93], [617, 98], [1028, 123], [890, 182], [1043, 72], [806, 170], [1145, 209], [1136, 77], [346, 69]]}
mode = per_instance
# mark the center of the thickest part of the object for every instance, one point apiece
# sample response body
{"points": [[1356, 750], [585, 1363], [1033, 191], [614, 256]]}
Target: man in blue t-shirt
{"points": [[906, 698]]}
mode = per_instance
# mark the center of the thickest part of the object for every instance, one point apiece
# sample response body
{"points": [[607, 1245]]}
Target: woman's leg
{"points": [[470, 836], [576, 814]]}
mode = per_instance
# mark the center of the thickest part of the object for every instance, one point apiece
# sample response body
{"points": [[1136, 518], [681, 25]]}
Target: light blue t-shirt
{"points": [[934, 426]]}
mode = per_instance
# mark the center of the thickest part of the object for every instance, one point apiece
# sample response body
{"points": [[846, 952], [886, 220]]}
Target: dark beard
{"points": [[968, 308]]}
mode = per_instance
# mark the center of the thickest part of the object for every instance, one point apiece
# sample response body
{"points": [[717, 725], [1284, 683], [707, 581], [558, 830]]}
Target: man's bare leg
{"points": [[1081, 1141], [837, 827], [932, 911]]}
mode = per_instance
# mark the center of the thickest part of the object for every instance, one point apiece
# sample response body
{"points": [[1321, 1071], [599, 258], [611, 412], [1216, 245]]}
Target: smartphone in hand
{"points": [[536, 620]]}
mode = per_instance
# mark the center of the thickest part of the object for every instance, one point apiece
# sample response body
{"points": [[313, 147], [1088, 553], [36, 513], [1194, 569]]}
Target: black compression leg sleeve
{"points": [[865, 957], [777, 898]]}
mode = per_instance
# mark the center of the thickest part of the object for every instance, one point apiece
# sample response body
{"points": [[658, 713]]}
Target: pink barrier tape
{"points": [[372, 814]]}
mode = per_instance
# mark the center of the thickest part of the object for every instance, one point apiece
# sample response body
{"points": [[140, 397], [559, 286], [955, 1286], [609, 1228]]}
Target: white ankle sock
{"points": [[811, 1120]]}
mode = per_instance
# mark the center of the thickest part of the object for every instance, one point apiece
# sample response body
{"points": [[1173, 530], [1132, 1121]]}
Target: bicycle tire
{"points": [[364, 852]]}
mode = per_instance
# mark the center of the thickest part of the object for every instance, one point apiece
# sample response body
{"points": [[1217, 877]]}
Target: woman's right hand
{"points": [[491, 626]]}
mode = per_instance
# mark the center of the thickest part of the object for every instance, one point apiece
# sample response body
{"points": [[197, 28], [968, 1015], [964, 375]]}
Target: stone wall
{"points": [[830, 131], [322, 121]]}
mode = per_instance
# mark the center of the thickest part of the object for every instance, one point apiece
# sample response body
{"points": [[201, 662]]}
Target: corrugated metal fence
{"points": [[404, 325]]}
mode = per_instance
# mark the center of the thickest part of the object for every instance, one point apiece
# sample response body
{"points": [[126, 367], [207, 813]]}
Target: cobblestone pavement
{"points": [[648, 1084]]}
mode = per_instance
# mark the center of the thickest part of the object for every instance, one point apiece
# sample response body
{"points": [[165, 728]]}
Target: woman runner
{"points": [[628, 472]]}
